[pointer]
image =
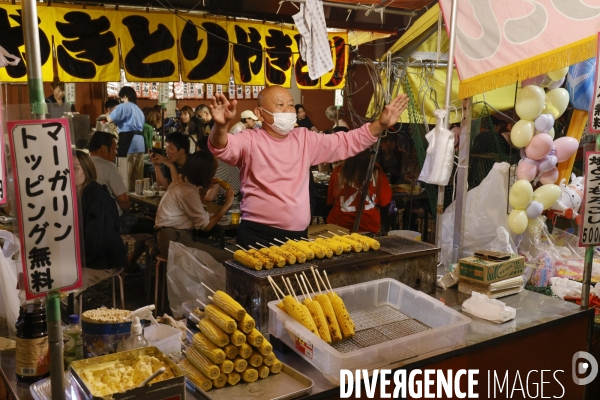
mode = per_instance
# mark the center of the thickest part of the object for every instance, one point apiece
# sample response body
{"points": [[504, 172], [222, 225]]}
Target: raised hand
{"points": [[222, 110], [391, 113]]}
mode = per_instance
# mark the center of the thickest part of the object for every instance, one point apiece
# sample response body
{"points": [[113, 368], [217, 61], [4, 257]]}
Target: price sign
{"points": [[163, 92], [589, 232], [70, 93], [339, 98]]}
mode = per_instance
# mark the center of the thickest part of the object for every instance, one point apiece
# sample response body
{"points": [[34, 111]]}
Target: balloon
{"points": [[530, 102], [544, 123], [536, 80], [551, 133], [559, 99], [520, 194], [558, 74], [550, 109], [539, 147], [556, 84], [517, 221], [536, 226], [547, 195], [549, 176], [527, 170], [521, 133], [548, 163], [565, 147], [580, 84], [534, 209]]}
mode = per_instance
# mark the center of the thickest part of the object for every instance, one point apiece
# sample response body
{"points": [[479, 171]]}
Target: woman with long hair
{"points": [[346, 182]]}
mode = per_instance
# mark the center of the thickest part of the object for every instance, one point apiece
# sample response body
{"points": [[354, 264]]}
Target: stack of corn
{"points": [[228, 348]]}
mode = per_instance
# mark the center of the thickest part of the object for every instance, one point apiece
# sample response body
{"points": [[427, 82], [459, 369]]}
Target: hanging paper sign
{"points": [[219, 89], [45, 195], [338, 100], [231, 88], [145, 90], [163, 92], [247, 92], [199, 89], [255, 91], [240, 92], [278, 63], [70, 93], [589, 232], [594, 114], [209, 91], [303, 80], [249, 43], [154, 91], [336, 78]]}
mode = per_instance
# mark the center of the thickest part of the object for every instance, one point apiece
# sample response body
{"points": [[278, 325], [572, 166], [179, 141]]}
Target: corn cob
{"points": [[237, 338], [360, 240], [356, 247], [202, 363], [269, 359], [297, 311], [263, 371], [213, 332], [255, 359], [250, 375], [281, 306], [276, 367], [255, 338], [311, 322], [317, 314], [220, 319], [303, 248], [266, 261], [343, 317], [231, 351], [326, 250], [229, 305], [224, 184], [373, 243], [240, 365], [226, 366], [300, 256], [337, 248], [243, 257], [208, 348], [265, 348], [233, 378], [318, 250], [289, 257], [346, 246], [196, 377], [247, 324], [245, 350], [277, 260], [220, 381], [329, 313]]}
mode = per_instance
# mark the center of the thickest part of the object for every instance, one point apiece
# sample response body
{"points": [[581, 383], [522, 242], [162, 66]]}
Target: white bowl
{"points": [[149, 193]]}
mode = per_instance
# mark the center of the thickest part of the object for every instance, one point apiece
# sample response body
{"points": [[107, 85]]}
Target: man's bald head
{"points": [[273, 93]]}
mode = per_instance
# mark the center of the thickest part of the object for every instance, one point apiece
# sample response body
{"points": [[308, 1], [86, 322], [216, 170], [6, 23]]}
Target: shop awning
{"points": [[406, 4]]}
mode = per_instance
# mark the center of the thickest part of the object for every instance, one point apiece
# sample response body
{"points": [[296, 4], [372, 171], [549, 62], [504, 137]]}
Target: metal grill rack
{"points": [[400, 245]]}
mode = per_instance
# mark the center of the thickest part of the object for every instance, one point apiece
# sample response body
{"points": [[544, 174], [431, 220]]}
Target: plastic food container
{"points": [[441, 327], [188, 310], [164, 337]]}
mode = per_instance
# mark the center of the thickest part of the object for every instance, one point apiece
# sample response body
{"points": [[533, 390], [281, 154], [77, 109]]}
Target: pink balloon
{"points": [[565, 147], [527, 170], [539, 147], [536, 80], [549, 176]]}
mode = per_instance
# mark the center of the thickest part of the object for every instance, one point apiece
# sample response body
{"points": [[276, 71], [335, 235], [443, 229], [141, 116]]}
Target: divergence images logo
{"points": [[581, 367]]}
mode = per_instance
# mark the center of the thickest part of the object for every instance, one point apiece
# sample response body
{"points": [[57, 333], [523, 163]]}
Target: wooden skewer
{"points": [[277, 240], [273, 285], [210, 298], [293, 293], [305, 288], [276, 286], [229, 250], [345, 234], [261, 245], [307, 239], [212, 291], [286, 286], [323, 282], [201, 303], [301, 290], [252, 247], [294, 240], [309, 285], [324, 237], [241, 248], [316, 280], [325, 273], [334, 234]]}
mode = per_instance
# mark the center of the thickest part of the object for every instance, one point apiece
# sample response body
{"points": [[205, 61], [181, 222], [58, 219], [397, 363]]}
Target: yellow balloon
{"points": [[522, 132], [547, 194], [536, 226], [558, 74], [530, 102], [550, 109], [559, 98], [517, 221], [520, 195], [551, 133]]}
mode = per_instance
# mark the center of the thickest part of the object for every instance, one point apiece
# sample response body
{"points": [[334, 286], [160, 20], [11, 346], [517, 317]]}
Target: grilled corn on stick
{"points": [[208, 348], [289, 257], [231, 351], [229, 305], [226, 366], [300, 256], [328, 312], [345, 246], [224, 184], [336, 248], [220, 319], [263, 371], [297, 312], [250, 375], [277, 260], [255, 338], [255, 359], [243, 257], [276, 367], [342, 315], [356, 247], [269, 359], [240, 365], [363, 243], [213, 332], [301, 247], [198, 378], [373, 243], [245, 350], [220, 381], [314, 308], [266, 261], [318, 250], [202, 363], [265, 348], [277, 291], [237, 338], [247, 324], [327, 252], [233, 378]]}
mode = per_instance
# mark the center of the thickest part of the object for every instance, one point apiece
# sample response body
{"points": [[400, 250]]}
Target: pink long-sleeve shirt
{"points": [[274, 172]]}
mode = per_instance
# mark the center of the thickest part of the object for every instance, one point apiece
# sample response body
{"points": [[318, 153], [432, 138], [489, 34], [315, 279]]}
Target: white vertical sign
{"points": [[219, 89], [209, 91], [45, 194], [70, 93], [248, 92], [339, 98], [589, 231], [163, 92]]}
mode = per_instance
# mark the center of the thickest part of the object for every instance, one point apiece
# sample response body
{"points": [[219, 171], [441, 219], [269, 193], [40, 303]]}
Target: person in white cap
{"points": [[248, 121]]}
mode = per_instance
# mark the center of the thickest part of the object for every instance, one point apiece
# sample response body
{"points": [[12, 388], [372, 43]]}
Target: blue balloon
{"points": [[580, 84]]}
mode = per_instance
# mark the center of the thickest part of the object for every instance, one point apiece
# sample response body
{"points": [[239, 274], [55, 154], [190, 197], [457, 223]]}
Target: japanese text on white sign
{"points": [[589, 233]]}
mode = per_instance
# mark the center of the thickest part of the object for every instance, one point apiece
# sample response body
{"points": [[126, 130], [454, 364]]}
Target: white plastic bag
{"points": [[9, 295], [440, 153], [186, 268], [483, 307], [484, 213]]}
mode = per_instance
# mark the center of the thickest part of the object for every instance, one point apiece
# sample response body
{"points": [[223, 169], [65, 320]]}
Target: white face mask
{"points": [[283, 123]]}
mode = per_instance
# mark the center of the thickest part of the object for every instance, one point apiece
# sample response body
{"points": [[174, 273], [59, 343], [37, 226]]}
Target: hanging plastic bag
{"points": [[186, 269], [440, 153], [9, 295]]}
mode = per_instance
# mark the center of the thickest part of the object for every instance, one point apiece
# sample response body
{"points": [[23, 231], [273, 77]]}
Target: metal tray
{"points": [[288, 384], [41, 390]]}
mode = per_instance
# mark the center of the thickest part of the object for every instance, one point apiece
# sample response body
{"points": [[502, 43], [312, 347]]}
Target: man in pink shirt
{"points": [[275, 161]]}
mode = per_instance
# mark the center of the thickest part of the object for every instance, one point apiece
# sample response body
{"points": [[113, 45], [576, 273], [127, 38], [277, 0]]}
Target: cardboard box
{"points": [[483, 271]]}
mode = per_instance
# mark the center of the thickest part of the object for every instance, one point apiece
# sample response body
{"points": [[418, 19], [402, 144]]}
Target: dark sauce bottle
{"points": [[32, 362]]}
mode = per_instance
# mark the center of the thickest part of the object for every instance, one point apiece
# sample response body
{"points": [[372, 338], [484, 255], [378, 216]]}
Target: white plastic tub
{"points": [[164, 337], [448, 329]]}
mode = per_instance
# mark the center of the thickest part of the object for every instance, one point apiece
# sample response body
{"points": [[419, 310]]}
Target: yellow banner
{"points": [[303, 80], [280, 47], [248, 60], [11, 39], [148, 46], [204, 47], [86, 47], [336, 78]]}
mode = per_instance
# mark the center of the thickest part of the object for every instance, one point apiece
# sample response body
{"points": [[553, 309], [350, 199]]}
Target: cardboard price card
{"points": [[589, 232], [46, 196]]}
